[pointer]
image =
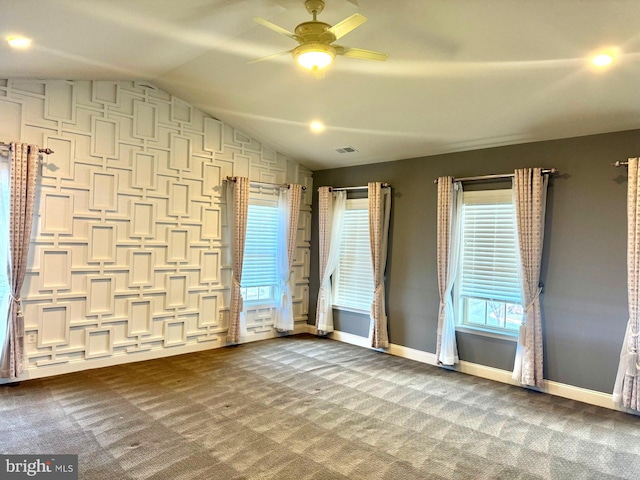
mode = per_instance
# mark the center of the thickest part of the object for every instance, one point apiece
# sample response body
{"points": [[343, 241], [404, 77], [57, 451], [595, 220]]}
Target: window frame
{"points": [[352, 204], [266, 197], [460, 306]]}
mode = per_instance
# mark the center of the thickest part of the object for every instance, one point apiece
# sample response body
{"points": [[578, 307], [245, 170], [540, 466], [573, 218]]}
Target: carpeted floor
{"points": [[308, 408]]}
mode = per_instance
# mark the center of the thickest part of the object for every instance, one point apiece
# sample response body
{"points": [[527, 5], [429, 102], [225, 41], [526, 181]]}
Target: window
{"points": [[488, 285], [353, 278], [259, 267]]}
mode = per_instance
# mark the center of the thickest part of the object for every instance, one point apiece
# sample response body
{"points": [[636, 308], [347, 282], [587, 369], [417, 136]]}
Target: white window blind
{"points": [[259, 271], [353, 280], [489, 285], [489, 250]]}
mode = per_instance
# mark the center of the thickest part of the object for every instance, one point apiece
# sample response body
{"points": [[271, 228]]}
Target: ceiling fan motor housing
{"points": [[315, 32]]}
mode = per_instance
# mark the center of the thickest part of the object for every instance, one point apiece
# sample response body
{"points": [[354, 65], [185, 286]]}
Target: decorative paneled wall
{"points": [[129, 255]]}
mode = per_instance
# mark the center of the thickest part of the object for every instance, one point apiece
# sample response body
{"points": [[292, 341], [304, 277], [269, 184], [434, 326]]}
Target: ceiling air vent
{"points": [[346, 150]]}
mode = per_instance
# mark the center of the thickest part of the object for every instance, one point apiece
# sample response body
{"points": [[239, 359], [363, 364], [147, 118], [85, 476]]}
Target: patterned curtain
{"points": [[379, 213], [24, 165], [289, 206], [237, 211], [448, 247], [331, 207], [530, 194], [627, 387]]}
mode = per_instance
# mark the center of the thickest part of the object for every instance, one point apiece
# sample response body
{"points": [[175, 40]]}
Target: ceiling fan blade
{"points": [[347, 25], [360, 53], [276, 28], [268, 57]]}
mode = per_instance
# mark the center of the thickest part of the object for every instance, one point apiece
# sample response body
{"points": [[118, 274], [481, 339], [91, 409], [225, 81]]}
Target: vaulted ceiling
{"points": [[461, 74]]}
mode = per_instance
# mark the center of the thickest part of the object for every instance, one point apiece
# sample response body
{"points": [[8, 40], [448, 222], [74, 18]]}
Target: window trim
{"points": [[478, 197], [265, 197], [352, 204]]}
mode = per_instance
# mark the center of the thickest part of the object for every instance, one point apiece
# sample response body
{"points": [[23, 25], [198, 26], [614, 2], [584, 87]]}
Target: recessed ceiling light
{"points": [[602, 60], [19, 42], [316, 126]]}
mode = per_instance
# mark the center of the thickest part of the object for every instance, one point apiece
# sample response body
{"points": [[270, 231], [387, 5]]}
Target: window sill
{"points": [[258, 304], [511, 337], [351, 309]]}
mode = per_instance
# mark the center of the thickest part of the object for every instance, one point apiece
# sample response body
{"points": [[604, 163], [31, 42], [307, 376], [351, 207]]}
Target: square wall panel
{"points": [[105, 92], [176, 291], [59, 164], [145, 124], [104, 140], [55, 269], [141, 263], [179, 200], [178, 246], [102, 244], [98, 343], [142, 220], [210, 266], [180, 156], [144, 170], [209, 310], [57, 213], [60, 101], [103, 191], [211, 224], [175, 333], [54, 325], [100, 294], [140, 317]]}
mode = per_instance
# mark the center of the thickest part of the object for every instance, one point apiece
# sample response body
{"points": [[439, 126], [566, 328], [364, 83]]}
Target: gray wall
{"points": [[584, 303]]}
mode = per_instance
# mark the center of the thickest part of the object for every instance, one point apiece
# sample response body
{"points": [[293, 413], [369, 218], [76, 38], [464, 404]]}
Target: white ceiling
{"points": [[461, 74]]}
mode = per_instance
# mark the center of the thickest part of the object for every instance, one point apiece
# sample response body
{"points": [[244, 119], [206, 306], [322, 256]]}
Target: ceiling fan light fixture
{"points": [[314, 56]]}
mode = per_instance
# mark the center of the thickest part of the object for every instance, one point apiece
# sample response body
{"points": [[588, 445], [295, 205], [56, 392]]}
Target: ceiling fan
{"points": [[316, 49]]}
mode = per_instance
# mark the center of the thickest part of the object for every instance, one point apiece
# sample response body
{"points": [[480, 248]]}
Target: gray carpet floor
{"points": [[309, 408]]}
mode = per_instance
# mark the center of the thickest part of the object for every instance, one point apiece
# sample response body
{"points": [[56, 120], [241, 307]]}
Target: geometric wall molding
{"points": [[105, 139], [100, 295], [141, 264], [55, 269], [176, 291], [58, 209], [175, 333], [146, 120], [102, 244], [211, 224], [106, 93], [140, 317], [54, 325], [210, 266], [144, 170], [142, 220], [178, 242], [98, 343], [130, 248], [209, 310], [104, 191], [180, 158], [60, 100]]}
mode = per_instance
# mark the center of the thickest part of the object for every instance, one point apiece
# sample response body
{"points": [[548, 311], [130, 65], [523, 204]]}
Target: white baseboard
{"points": [[563, 390], [123, 358]]}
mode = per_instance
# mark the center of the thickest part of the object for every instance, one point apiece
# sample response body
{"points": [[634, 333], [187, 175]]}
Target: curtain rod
{"points": [[362, 187], [620, 164], [545, 171], [233, 179], [46, 151]]}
